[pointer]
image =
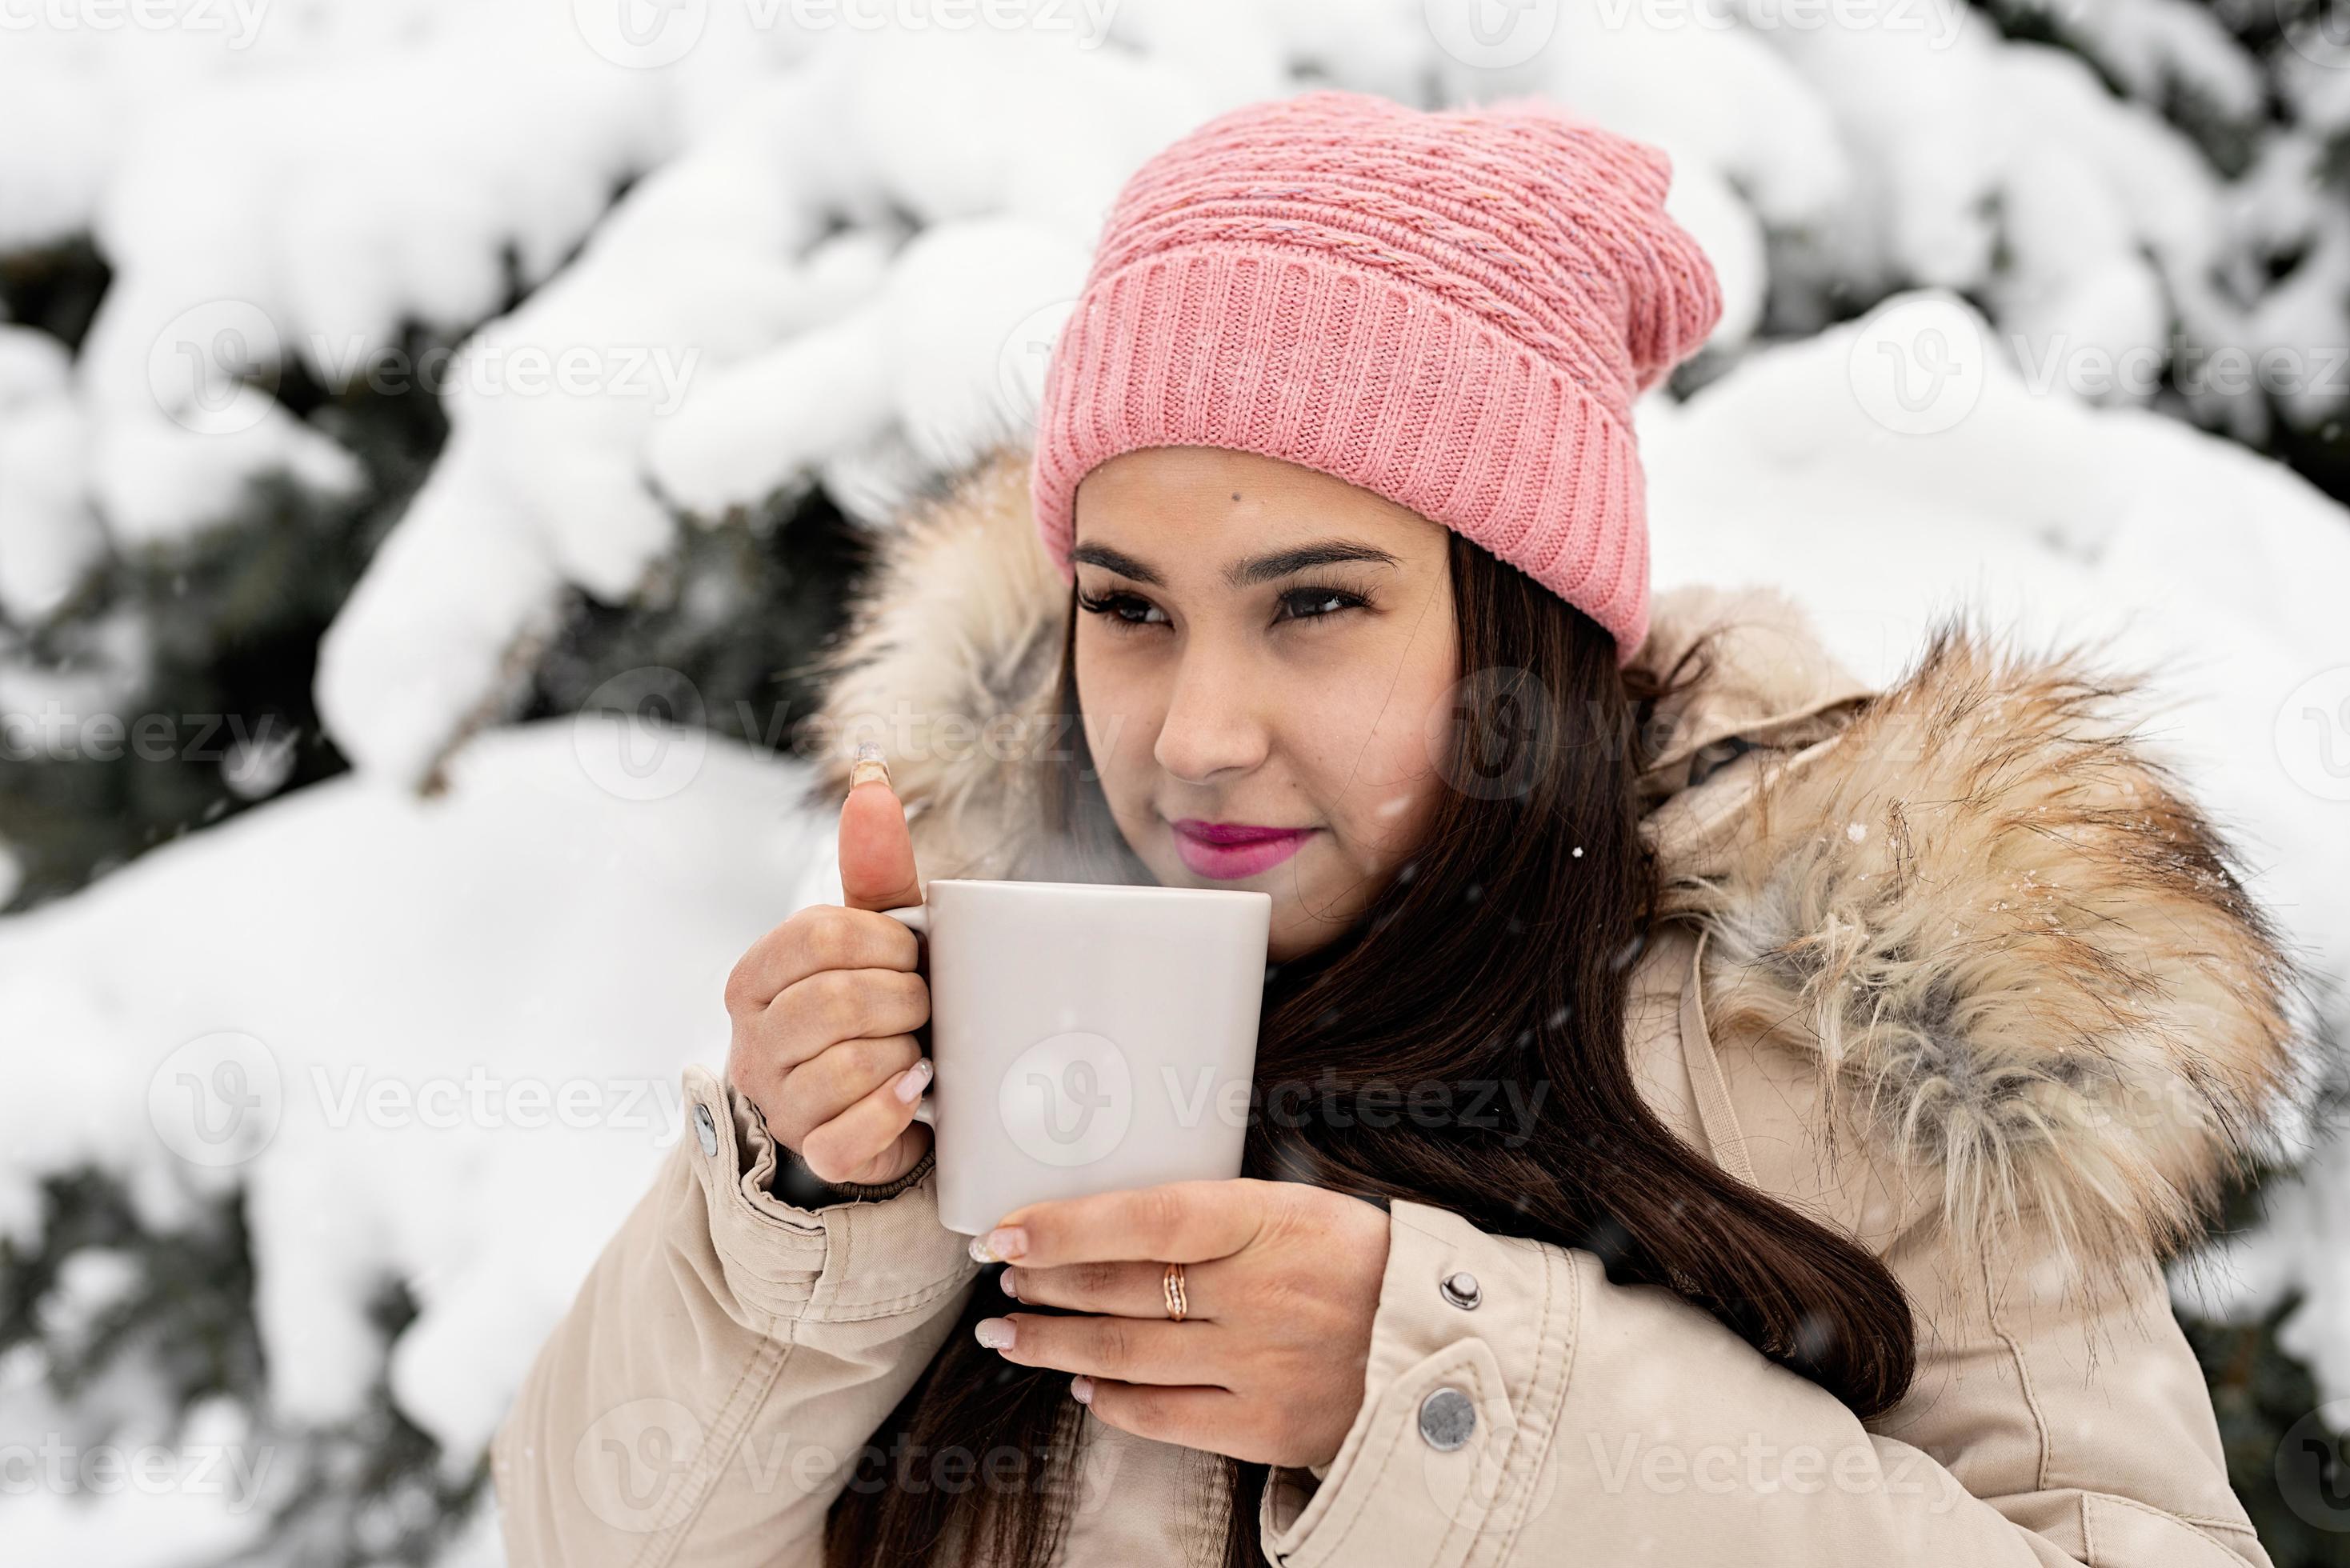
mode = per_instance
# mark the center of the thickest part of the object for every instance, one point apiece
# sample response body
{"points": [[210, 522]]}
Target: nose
{"points": [[1211, 728]]}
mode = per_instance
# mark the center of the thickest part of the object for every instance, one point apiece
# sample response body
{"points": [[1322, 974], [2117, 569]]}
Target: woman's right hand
{"points": [[825, 1007]]}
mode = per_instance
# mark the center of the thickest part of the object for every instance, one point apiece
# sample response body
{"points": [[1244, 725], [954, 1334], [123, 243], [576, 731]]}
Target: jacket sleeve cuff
{"points": [[779, 1172], [1459, 1401], [843, 1262]]}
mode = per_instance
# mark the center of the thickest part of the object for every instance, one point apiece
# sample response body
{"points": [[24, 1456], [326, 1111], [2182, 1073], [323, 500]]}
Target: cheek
{"points": [[1375, 749], [1119, 706]]}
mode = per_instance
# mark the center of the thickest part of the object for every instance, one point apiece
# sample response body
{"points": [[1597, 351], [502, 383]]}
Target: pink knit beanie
{"points": [[1454, 310]]}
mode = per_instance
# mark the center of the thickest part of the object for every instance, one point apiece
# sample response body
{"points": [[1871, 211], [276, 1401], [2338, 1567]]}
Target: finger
{"points": [[837, 1004], [1173, 1222], [1198, 1417], [821, 937], [818, 1091], [1132, 1351], [875, 1140], [877, 851], [1121, 1290]]}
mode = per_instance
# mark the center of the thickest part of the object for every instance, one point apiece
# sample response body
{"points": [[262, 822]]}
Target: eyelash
{"points": [[1108, 605], [1313, 594]]}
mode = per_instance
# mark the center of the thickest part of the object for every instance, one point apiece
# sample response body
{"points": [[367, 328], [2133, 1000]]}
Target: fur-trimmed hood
{"points": [[2015, 949]]}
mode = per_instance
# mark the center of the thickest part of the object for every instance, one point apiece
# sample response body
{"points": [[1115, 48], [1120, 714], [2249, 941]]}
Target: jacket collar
{"points": [[2016, 953]]}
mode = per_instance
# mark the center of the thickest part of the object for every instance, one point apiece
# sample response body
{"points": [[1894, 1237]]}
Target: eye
{"points": [[1122, 610], [1314, 603]]}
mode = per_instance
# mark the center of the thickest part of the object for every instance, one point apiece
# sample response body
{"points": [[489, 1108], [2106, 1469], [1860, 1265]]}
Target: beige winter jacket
{"points": [[1929, 952]]}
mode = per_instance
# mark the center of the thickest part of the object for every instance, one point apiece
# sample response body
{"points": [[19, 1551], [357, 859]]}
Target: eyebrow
{"points": [[1322, 553], [1117, 561], [1241, 574]]}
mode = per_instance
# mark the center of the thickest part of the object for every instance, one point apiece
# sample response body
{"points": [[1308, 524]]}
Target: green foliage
{"points": [[233, 618], [188, 1316], [365, 1491], [2260, 1394], [2230, 141], [740, 611]]}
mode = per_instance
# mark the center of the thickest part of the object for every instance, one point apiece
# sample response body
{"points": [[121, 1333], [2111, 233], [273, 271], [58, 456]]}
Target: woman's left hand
{"points": [[1281, 1280]]}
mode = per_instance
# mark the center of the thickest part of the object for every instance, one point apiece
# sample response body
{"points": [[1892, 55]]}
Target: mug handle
{"points": [[916, 917]]}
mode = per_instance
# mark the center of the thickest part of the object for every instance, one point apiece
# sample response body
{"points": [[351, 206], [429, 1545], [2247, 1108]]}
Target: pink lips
{"points": [[1231, 850]]}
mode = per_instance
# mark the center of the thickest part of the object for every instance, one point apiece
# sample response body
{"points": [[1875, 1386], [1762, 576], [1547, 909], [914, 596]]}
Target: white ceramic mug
{"points": [[1086, 1037]]}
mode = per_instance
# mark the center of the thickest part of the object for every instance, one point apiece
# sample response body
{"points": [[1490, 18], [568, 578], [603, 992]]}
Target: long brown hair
{"points": [[1499, 955]]}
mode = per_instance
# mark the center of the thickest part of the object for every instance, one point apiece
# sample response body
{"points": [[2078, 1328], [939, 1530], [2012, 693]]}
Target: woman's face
{"points": [[1262, 654]]}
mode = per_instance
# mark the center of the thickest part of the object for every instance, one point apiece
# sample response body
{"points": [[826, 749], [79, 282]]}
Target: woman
{"points": [[1747, 1110]]}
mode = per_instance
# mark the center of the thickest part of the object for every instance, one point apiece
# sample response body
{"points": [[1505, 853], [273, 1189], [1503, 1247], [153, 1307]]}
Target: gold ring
{"points": [[1176, 1304]]}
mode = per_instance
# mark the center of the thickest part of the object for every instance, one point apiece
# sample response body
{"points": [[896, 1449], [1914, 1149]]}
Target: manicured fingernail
{"points": [[1010, 1287], [1081, 1389], [868, 767], [1006, 1243], [996, 1332], [913, 1081]]}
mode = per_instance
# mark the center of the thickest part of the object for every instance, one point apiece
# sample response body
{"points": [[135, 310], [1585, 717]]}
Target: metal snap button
{"points": [[704, 1129], [1447, 1416], [1461, 1290]]}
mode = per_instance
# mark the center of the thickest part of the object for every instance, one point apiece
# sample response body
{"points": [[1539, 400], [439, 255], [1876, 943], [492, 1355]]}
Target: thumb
{"points": [[877, 852]]}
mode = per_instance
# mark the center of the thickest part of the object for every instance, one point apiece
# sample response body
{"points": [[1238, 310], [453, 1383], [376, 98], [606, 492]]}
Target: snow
{"points": [[2181, 550], [841, 261], [837, 219], [2153, 45], [462, 1019], [537, 926], [50, 538], [803, 347], [1891, 147], [136, 1495]]}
